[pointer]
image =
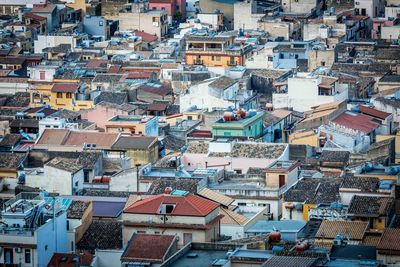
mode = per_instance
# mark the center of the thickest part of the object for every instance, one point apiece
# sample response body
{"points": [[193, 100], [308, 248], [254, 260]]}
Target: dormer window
{"points": [[166, 208]]}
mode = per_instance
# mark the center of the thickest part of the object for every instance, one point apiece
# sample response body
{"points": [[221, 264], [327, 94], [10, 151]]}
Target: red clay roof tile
{"points": [[189, 205], [153, 248], [373, 112], [357, 121]]}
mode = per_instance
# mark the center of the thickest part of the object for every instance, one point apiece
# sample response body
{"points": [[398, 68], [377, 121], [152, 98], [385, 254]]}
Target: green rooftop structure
{"points": [[251, 125]]}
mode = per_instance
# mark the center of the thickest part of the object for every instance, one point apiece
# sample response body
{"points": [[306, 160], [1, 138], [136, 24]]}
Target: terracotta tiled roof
{"points": [[134, 142], [65, 87], [357, 121], [330, 229], [314, 191], [197, 147], [138, 75], [65, 164], [163, 90], [233, 218], [97, 63], [10, 140], [114, 69], [102, 235], [149, 248], [53, 137], [11, 160], [372, 238], [46, 8], [222, 83], [105, 140], [189, 205], [29, 123], [158, 186], [69, 260], [362, 184], [373, 112], [34, 16], [146, 37], [77, 209], [390, 240], [157, 107], [370, 206], [215, 196], [74, 138]]}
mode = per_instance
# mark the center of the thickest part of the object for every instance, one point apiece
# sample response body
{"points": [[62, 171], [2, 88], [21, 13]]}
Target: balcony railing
{"points": [[17, 231], [215, 51]]}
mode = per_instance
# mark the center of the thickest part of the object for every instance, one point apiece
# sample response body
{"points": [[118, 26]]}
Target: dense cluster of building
{"points": [[199, 133]]}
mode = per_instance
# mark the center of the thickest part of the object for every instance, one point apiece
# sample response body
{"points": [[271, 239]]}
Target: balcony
{"points": [[216, 51], [197, 62]]}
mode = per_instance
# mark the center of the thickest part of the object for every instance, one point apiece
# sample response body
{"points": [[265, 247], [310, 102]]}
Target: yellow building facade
{"points": [[216, 51], [304, 138], [60, 94]]}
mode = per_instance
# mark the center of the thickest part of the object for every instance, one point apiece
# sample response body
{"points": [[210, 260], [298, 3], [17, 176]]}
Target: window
{"points": [[363, 12], [156, 19], [241, 204], [27, 255], [270, 59], [59, 95], [281, 55], [69, 95], [42, 75], [101, 23], [67, 225], [141, 232], [322, 63], [86, 176], [296, 56], [281, 180], [169, 208], [187, 238], [72, 246], [76, 184], [238, 171]]}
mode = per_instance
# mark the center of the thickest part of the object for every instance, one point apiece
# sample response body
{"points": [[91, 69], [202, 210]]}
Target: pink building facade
{"points": [[378, 24], [171, 6], [102, 113]]}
